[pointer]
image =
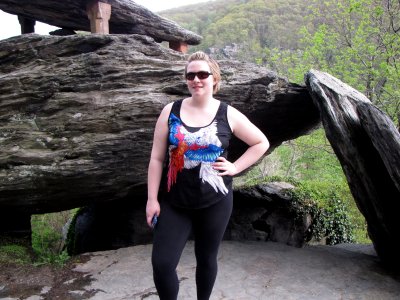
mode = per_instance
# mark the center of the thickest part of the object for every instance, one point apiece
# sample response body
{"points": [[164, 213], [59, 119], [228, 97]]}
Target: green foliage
{"points": [[252, 24], [356, 41], [330, 215], [310, 164], [47, 242], [327, 204], [309, 157], [15, 254], [47, 237]]}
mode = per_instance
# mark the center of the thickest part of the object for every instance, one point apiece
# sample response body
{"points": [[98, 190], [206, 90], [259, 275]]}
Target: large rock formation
{"points": [[127, 17], [367, 144], [260, 213], [77, 115], [265, 212]]}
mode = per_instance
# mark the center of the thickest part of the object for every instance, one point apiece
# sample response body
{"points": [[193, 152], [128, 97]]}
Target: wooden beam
{"points": [[179, 46], [99, 14]]}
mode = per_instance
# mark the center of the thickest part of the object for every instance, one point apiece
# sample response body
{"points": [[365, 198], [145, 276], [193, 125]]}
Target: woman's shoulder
{"points": [[234, 112], [171, 104], [166, 111], [169, 107], [235, 117]]}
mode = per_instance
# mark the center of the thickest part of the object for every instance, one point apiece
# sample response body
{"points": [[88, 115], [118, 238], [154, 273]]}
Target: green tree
{"points": [[357, 41], [252, 24], [234, 28]]}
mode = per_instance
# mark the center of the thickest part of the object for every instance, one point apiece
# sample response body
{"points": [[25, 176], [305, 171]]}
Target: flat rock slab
{"points": [[77, 111], [250, 270], [127, 17]]}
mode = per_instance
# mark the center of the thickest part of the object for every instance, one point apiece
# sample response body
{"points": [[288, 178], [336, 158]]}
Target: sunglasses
{"points": [[200, 75]]}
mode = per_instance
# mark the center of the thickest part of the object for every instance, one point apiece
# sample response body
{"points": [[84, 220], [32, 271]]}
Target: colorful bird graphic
{"points": [[189, 149]]}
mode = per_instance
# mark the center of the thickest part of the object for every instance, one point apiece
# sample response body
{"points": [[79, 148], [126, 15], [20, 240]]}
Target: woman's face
{"points": [[198, 86]]}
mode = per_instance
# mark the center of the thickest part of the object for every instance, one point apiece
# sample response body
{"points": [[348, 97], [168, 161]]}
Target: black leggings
{"points": [[170, 235]]}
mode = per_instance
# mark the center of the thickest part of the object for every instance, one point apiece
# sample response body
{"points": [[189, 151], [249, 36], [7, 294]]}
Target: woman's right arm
{"points": [[156, 163]]}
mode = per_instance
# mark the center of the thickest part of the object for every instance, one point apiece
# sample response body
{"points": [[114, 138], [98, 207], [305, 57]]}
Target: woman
{"points": [[196, 132]]}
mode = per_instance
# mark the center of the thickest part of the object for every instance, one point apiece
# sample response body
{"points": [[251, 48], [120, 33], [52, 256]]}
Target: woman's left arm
{"points": [[246, 131]]}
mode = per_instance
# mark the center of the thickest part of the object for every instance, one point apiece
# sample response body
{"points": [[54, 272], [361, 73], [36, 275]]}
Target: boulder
{"points": [[77, 115], [367, 144], [260, 213], [264, 212]]}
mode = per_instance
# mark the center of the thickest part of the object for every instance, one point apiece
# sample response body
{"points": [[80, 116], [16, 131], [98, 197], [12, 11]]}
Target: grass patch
{"points": [[15, 254], [47, 241], [49, 233]]}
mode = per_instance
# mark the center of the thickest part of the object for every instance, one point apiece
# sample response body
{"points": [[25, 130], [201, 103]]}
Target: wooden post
{"points": [[99, 14], [27, 25], [179, 46]]}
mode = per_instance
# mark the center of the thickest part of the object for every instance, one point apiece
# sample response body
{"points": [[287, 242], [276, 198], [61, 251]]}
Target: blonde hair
{"points": [[214, 67]]}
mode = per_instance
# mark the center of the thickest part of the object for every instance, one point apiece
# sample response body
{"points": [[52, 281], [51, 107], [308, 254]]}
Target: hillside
{"points": [[256, 23]]}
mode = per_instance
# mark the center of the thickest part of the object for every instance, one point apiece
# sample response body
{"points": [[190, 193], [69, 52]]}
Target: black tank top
{"points": [[191, 180]]}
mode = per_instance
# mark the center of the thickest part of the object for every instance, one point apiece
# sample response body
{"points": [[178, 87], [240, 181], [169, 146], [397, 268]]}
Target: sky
{"points": [[9, 25]]}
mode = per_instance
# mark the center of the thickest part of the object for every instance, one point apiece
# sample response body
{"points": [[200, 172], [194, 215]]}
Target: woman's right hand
{"points": [[152, 208]]}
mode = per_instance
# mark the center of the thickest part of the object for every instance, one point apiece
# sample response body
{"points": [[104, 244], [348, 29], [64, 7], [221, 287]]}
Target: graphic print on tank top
{"points": [[190, 149]]}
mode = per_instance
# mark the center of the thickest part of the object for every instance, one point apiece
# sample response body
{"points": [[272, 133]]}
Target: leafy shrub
{"points": [[330, 214], [331, 218], [48, 237]]}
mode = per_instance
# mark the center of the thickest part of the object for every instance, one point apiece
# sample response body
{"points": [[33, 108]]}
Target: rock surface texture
{"points": [[127, 17], [260, 213], [77, 115], [247, 270], [367, 144], [264, 213]]}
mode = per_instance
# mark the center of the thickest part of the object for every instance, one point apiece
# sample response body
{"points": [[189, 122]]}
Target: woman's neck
{"points": [[201, 102]]}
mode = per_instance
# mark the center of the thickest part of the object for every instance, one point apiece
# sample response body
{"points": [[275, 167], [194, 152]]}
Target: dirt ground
{"points": [[22, 281]]}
